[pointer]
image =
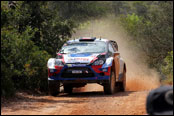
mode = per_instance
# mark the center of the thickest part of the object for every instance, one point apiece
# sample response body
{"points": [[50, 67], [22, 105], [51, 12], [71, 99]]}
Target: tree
{"points": [[31, 31], [151, 27]]}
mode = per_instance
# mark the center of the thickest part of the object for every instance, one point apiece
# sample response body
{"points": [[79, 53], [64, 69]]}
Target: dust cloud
{"points": [[139, 76]]}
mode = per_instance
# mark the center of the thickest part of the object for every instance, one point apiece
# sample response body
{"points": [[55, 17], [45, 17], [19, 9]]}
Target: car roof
{"points": [[87, 39]]}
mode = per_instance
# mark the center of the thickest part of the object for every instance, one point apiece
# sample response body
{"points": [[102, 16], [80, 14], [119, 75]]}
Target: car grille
{"points": [[86, 72]]}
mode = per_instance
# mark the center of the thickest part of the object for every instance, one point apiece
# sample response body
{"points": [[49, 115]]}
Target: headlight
{"points": [[51, 62], [58, 63], [98, 62]]}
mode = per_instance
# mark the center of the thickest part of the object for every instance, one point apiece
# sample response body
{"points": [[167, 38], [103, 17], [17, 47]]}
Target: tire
{"points": [[109, 88], [68, 89], [54, 87], [123, 84]]}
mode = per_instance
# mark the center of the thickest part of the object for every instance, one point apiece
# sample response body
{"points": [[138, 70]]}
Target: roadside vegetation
{"points": [[150, 25], [32, 31]]}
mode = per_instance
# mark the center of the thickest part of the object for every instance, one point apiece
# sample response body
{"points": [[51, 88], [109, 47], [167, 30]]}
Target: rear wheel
{"points": [[54, 87], [123, 83], [109, 88]]}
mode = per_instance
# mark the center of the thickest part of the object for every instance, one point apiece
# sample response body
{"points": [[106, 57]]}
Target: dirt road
{"points": [[85, 101]]}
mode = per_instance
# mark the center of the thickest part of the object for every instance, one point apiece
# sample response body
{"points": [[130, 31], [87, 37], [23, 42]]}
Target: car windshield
{"points": [[85, 47]]}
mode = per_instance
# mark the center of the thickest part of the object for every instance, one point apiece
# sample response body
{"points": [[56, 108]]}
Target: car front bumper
{"points": [[90, 74]]}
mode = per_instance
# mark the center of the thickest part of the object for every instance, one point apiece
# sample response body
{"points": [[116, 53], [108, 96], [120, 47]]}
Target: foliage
{"points": [[7, 85], [25, 62], [131, 23], [150, 24], [31, 32], [167, 69], [81, 10]]}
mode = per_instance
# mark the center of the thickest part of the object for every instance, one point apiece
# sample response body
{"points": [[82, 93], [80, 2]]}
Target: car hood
{"points": [[80, 57]]}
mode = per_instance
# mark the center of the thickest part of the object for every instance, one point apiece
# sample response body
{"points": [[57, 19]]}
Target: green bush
{"points": [[131, 23], [7, 85], [167, 69], [150, 25], [23, 59], [30, 34]]}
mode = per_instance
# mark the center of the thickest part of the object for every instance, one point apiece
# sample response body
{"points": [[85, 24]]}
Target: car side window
{"points": [[111, 48], [114, 45]]}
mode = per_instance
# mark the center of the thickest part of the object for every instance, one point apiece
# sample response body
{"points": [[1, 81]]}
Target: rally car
{"points": [[87, 60]]}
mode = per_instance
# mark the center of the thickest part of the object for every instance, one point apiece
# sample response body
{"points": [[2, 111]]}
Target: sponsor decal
{"points": [[78, 59], [80, 55], [78, 64]]}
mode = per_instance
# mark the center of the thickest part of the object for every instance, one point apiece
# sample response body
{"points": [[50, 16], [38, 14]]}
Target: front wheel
{"points": [[109, 88], [54, 87], [68, 89]]}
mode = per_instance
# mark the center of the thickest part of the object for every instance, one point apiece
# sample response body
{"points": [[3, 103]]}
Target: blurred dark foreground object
{"points": [[160, 101]]}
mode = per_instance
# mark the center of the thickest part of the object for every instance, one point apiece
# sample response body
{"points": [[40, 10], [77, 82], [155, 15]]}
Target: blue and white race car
{"points": [[87, 60]]}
